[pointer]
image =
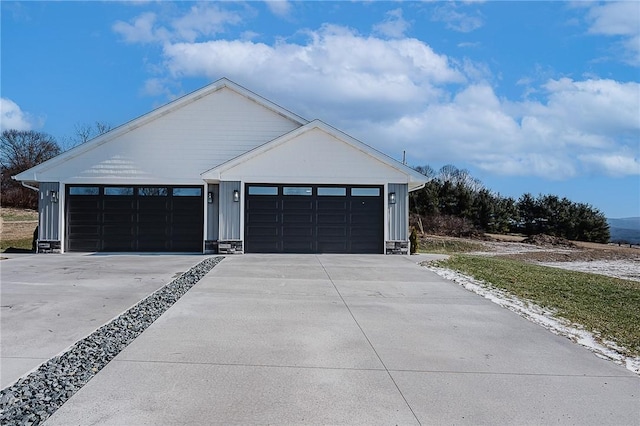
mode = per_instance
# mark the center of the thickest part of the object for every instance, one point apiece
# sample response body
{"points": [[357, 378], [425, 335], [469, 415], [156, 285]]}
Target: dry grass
{"points": [[16, 228]]}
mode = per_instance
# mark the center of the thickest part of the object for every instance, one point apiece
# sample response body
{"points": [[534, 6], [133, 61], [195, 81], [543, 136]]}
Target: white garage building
{"points": [[223, 170]]}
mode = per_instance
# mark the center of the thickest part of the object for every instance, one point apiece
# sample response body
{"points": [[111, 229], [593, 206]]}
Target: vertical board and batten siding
{"points": [[212, 212], [49, 217], [229, 218], [176, 147], [399, 212]]}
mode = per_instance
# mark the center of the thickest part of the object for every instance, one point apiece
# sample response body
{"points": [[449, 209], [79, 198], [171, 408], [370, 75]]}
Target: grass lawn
{"points": [[448, 246], [609, 307]]}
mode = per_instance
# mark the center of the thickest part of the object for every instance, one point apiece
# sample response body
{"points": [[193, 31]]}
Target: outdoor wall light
{"points": [[236, 195], [210, 197], [392, 198], [54, 196]]}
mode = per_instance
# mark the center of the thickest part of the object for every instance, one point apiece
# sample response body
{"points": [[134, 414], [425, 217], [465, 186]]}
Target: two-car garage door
{"points": [[314, 219], [134, 218]]}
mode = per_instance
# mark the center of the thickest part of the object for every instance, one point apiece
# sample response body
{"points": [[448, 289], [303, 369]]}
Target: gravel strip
{"points": [[35, 397]]}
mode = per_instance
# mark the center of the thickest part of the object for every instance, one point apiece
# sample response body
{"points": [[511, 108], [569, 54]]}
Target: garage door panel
{"points": [[331, 218], [263, 218], [88, 217], [118, 217], [118, 203], [295, 203], [135, 218], [254, 204], [332, 247], [264, 247], [262, 231], [297, 231], [290, 218], [298, 247], [331, 205], [331, 232]]}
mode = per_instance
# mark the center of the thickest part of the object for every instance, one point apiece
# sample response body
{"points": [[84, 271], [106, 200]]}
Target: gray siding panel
{"points": [[213, 213], [229, 223], [399, 212], [49, 212]]}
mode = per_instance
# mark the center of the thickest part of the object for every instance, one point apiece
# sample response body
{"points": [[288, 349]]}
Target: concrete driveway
{"points": [[48, 302], [334, 339]]}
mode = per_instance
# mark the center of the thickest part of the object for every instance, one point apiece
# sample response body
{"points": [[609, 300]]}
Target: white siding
{"points": [[314, 157], [178, 146]]}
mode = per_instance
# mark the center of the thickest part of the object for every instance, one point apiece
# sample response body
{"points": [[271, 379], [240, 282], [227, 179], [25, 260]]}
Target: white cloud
{"points": [[615, 18], [344, 73], [141, 30], [456, 20], [394, 25], [581, 127], [12, 117], [621, 19], [281, 8], [201, 20], [615, 164]]}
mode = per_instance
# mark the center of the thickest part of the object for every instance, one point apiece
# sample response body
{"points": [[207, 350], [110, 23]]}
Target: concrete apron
{"points": [[51, 301], [335, 339]]}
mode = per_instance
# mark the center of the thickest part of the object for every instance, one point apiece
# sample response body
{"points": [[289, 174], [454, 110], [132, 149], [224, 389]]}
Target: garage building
{"points": [[223, 170]]}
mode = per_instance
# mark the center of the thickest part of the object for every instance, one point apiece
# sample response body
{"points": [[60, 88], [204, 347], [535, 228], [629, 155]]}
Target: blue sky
{"points": [[538, 97]]}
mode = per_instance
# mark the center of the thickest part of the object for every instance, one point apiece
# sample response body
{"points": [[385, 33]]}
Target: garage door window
{"points": [[365, 192], [187, 192], [263, 190], [153, 192], [332, 192], [297, 190], [84, 190], [113, 190]]}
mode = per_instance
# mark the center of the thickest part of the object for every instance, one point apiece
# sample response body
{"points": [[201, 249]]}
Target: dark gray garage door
{"points": [[134, 218], [314, 219]]}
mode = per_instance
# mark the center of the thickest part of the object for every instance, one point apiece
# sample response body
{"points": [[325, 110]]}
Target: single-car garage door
{"points": [[134, 218], [314, 219]]}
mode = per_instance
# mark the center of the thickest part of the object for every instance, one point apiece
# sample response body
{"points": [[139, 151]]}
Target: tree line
{"points": [[453, 201]]}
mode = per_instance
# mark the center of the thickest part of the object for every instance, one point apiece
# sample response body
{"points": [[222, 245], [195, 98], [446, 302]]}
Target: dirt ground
{"points": [[604, 259]]}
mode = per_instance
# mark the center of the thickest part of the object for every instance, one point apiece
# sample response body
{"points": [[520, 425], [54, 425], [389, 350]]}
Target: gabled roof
{"points": [[31, 175], [414, 179]]}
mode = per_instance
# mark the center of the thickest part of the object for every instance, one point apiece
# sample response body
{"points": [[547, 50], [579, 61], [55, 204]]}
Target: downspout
{"points": [[30, 187]]}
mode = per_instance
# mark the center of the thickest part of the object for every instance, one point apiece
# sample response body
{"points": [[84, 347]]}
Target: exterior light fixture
{"points": [[210, 197], [392, 198], [54, 196], [236, 195]]}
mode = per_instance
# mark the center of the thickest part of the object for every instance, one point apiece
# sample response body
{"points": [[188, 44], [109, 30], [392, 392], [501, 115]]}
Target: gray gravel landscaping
{"points": [[35, 397]]}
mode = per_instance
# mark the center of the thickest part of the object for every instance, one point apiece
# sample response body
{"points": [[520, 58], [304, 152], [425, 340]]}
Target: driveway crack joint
{"points": [[368, 340]]}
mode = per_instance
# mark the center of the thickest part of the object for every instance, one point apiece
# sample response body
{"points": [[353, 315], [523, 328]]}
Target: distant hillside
{"points": [[626, 229]]}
